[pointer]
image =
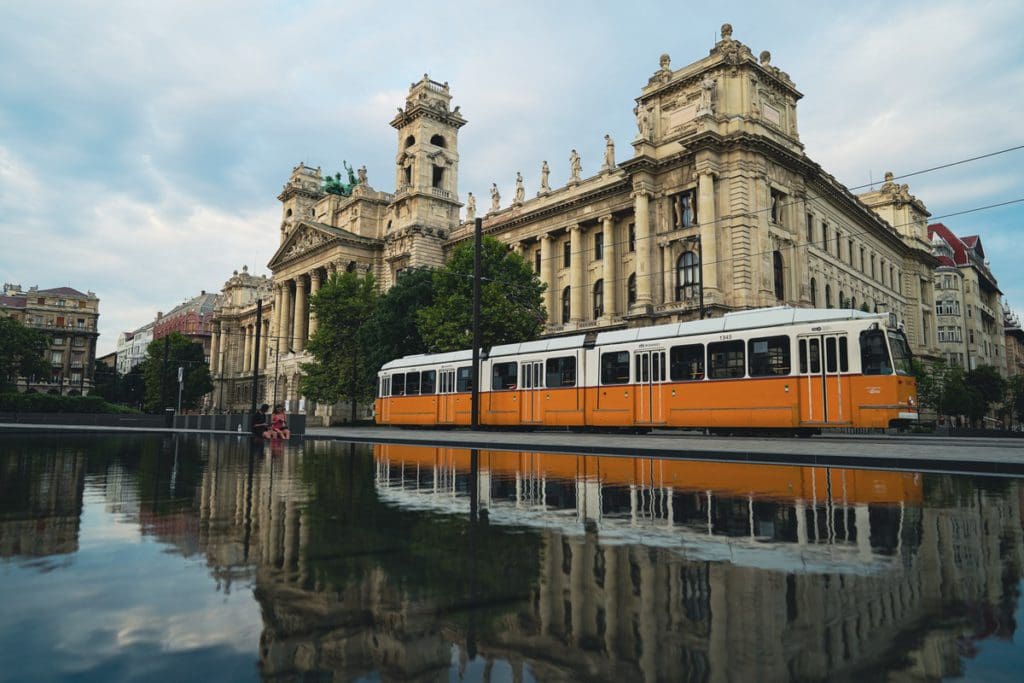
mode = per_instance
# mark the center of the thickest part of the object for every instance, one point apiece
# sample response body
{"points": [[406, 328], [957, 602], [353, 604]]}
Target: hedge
{"points": [[50, 403]]}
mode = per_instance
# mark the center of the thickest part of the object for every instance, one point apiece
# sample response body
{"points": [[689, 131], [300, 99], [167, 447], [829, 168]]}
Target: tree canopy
{"points": [[393, 331], [343, 307], [512, 307], [22, 352], [162, 386]]}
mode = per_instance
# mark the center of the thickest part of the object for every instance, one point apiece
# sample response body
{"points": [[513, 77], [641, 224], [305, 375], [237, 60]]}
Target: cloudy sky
{"points": [[142, 145]]}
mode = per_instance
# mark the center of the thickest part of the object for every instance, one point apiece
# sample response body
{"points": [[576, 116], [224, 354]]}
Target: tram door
{"points": [[649, 371], [531, 374], [446, 396], [822, 398], [385, 403]]}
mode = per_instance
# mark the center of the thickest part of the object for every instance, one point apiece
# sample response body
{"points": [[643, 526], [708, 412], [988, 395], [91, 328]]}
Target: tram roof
{"points": [[730, 322]]}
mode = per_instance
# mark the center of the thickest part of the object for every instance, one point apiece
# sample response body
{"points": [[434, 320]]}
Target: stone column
{"points": [[577, 295], [708, 231], [301, 321], [276, 325], [667, 278], [247, 349], [284, 328], [547, 275], [264, 345], [314, 287], [214, 349], [641, 208], [611, 267]]}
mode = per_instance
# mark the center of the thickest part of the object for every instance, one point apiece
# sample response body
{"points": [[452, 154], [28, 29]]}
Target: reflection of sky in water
{"points": [[998, 660], [124, 607]]}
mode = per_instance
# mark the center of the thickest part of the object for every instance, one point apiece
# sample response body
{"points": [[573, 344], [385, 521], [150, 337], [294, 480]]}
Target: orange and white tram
{"points": [[792, 369]]}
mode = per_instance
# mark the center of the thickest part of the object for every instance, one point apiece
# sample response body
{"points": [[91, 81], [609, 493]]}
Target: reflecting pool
{"points": [[150, 557]]}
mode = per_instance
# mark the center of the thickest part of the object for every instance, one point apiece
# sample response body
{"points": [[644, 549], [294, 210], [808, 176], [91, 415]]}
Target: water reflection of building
{"points": [[40, 502], [640, 607]]}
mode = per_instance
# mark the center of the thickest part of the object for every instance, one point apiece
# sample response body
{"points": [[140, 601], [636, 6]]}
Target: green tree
{"points": [[393, 332], [989, 385], [22, 352], [106, 382], [512, 307], [1015, 397], [162, 386], [343, 307]]}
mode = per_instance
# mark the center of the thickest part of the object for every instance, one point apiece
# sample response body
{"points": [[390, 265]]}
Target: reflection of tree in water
{"points": [[387, 588]]}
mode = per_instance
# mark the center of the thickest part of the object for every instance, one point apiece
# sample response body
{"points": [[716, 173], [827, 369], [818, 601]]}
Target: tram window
{"points": [[398, 384], [385, 386], [815, 354], [464, 380], [686, 362], [561, 372], [429, 382], [769, 356], [503, 376], [900, 353], [615, 367], [726, 360], [830, 354], [844, 360], [874, 356], [802, 352], [412, 383]]}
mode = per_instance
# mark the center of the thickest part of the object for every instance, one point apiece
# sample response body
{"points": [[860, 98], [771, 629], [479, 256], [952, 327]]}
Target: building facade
{"points": [[131, 348], [969, 304], [1014, 335], [192, 318], [233, 342], [716, 209], [68, 318]]}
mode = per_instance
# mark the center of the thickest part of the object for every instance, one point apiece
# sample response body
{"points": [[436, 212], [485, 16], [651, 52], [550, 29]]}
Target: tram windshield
{"points": [[900, 353], [875, 358]]}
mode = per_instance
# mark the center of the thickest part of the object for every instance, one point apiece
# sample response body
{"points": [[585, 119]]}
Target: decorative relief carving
{"points": [[307, 241]]}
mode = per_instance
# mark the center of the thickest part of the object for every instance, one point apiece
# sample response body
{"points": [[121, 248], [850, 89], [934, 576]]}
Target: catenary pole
{"points": [[477, 249]]}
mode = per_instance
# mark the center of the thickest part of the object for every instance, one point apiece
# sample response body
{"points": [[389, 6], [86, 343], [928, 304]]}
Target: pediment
{"points": [[303, 239]]}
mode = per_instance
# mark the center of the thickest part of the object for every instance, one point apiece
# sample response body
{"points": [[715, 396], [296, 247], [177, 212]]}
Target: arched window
{"points": [[814, 293], [687, 275], [842, 301], [438, 140], [289, 213], [598, 299], [565, 305], [780, 289], [631, 289], [410, 141], [853, 302], [828, 296]]}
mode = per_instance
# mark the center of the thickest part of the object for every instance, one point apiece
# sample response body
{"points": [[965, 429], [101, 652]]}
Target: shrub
{"points": [[49, 403]]}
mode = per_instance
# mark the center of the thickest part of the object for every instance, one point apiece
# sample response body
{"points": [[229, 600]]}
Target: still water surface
{"points": [[172, 558]]}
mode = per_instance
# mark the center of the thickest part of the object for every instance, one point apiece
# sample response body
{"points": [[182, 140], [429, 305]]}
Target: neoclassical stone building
{"points": [[717, 203]]}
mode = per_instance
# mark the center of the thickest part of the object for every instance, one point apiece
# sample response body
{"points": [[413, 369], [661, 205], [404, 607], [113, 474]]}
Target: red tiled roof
{"points": [[956, 244], [946, 261]]}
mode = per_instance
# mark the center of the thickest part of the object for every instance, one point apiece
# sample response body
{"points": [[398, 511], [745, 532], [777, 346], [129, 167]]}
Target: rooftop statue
{"points": [[333, 185]]}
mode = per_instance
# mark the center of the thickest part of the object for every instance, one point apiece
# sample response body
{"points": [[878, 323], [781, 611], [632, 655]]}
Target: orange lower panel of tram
{"points": [[770, 403], [777, 482]]}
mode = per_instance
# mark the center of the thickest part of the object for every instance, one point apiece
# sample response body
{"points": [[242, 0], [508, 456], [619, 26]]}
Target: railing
{"points": [[438, 192]]}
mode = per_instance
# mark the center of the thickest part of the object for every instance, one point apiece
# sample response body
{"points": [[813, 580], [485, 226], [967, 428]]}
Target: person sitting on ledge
{"points": [[260, 426], [279, 424]]}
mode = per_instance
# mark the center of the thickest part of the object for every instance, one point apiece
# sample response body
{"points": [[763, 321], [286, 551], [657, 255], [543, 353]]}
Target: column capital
{"points": [[314, 276], [300, 282], [546, 237], [575, 227], [606, 218]]}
